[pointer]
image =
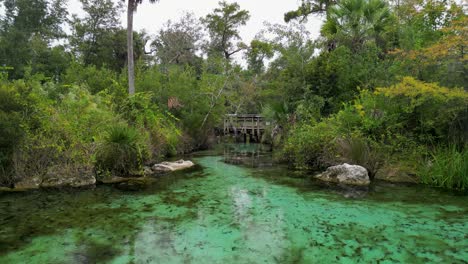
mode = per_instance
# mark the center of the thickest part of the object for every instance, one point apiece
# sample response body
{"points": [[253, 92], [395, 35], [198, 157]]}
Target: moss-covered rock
{"points": [[68, 176]]}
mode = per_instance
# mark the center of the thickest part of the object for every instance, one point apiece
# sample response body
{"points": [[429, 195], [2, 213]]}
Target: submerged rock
{"points": [[113, 179], [346, 174], [394, 173], [172, 166], [134, 184]]}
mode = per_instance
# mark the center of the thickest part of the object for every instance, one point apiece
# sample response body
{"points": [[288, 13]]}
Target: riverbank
{"points": [[248, 155]]}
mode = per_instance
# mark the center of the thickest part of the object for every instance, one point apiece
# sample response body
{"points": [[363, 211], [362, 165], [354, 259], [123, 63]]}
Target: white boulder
{"points": [[346, 174], [172, 166]]}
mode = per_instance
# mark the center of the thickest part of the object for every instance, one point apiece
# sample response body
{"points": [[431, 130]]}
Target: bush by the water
{"points": [[397, 124], [47, 125], [310, 145], [141, 111], [11, 129], [121, 151]]}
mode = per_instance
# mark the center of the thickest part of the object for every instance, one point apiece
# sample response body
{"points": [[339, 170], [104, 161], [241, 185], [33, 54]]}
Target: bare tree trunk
{"points": [[130, 59], [214, 101]]}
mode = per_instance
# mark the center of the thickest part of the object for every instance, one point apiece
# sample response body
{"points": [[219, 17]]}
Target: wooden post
{"points": [[258, 126], [225, 126]]}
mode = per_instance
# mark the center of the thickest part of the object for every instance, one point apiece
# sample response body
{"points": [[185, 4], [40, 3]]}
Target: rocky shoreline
{"points": [[85, 177]]}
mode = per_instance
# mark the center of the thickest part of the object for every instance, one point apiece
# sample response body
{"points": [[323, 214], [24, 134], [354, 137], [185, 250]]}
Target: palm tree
{"points": [[353, 22], [131, 8]]}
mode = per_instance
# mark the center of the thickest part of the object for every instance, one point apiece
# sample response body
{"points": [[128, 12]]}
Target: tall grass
{"points": [[359, 151], [121, 151], [447, 168]]}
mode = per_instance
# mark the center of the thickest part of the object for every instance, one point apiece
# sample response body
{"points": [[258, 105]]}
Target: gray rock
{"points": [[29, 183], [346, 174], [147, 171], [68, 176], [172, 166], [396, 173]]}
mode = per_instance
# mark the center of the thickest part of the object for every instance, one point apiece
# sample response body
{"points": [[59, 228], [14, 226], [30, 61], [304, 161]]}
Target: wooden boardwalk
{"points": [[251, 125]]}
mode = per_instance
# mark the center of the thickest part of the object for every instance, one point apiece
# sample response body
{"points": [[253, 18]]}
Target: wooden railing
{"points": [[252, 124]]}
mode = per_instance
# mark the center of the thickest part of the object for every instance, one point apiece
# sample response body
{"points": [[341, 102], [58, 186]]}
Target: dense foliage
{"points": [[404, 123], [384, 86]]}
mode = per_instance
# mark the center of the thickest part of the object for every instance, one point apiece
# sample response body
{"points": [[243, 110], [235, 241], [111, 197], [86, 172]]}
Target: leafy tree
{"points": [[51, 62], [24, 21], [288, 72], [309, 7], [178, 42], [120, 48], [257, 53], [223, 25], [131, 8], [93, 36], [444, 61], [420, 21]]}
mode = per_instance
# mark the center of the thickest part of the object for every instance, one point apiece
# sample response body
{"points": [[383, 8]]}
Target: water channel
{"points": [[235, 207]]}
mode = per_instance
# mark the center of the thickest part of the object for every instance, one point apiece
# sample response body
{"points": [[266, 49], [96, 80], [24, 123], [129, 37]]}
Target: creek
{"points": [[235, 207]]}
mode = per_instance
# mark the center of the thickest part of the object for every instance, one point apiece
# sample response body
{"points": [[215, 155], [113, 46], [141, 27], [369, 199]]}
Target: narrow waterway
{"points": [[235, 208]]}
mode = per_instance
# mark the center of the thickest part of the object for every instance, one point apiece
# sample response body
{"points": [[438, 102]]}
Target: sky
{"points": [[151, 17]]}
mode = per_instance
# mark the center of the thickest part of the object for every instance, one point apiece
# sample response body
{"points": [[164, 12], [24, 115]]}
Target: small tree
{"points": [[223, 26]]}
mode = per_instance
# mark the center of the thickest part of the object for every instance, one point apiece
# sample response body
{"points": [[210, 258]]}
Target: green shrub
{"points": [[55, 133], [14, 123], [310, 146], [121, 152], [11, 134], [426, 112], [446, 167], [140, 111], [398, 123], [95, 79]]}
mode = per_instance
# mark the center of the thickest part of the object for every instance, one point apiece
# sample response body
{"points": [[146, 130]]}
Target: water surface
{"points": [[236, 208]]}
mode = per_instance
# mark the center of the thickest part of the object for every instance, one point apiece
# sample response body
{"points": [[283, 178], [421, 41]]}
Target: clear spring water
{"points": [[251, 212]]}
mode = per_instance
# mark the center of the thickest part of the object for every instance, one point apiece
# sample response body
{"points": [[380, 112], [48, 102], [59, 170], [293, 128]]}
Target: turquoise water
{"points": [[235, 208]]}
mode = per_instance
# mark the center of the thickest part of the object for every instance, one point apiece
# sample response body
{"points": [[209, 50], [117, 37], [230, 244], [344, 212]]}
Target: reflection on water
{"points": [[249, 155], [223, 213]]}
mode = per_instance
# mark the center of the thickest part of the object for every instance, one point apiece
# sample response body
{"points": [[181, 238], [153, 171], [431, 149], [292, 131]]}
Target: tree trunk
{"points": [[130, 60]]}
